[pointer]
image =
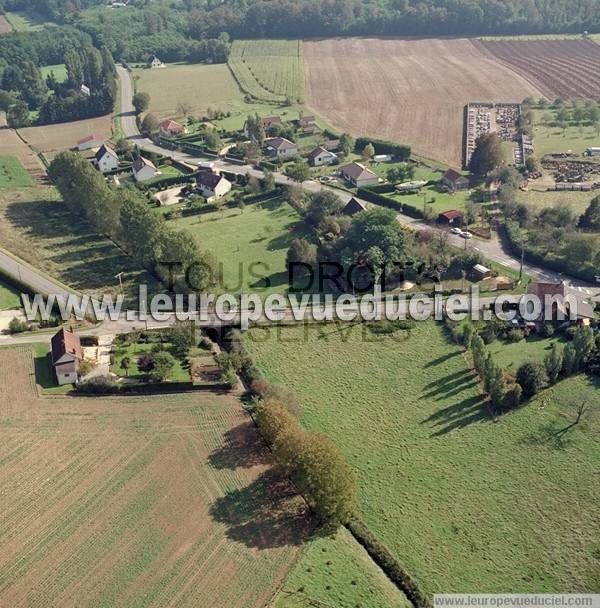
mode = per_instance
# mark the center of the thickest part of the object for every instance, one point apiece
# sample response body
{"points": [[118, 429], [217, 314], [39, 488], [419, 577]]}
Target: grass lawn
{"points": [[37, 227], [10, 297], [551, 138], [464, 503], [338, 572], [13, 174], [180, 372], [510, 355], [165, 171], [578, 201], [60, 71], [444, 201], [260, 235]]}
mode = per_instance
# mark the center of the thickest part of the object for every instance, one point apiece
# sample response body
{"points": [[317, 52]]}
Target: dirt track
{"points": [[409, 91]]}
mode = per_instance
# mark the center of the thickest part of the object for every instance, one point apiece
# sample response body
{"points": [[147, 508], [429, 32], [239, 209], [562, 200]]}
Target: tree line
{"points": [[23, 89], [125, 217]]}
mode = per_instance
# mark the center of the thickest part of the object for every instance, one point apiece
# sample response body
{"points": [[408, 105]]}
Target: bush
{"points": [[512, 398], [230, 378], [532, 378], [259, 387], [547, 330], [515, 335], [99, 385], [17, 326]]}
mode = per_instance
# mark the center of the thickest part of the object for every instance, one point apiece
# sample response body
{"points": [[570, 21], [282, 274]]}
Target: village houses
{"points": [[281, 148], [144, 169], [211, 184], [106, 159], [358, 175], [320, 157]]}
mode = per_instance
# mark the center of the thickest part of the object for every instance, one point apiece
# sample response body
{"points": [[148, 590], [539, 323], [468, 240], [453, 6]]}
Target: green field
{"points": [[260, 235], [37, 227], [269, 70], [203, 87], [444, 201], [550, 138], [9, 296], [464, 503], [578, 201], [338, 572], [200, 86], [59, 70], [25, 21], [13, 174], [510, 355]]}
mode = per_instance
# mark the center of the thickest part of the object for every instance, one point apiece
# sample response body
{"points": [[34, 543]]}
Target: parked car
{"points": [[456, 230], [466, 234]]}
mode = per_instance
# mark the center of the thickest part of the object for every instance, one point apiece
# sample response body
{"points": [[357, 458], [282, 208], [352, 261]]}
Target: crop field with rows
{"points": [[269, 70]]}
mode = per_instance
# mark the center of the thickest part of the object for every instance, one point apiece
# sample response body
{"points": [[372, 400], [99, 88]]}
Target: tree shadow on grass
{"points": [[265, 514], [450, 385], [442, 359], [458, 416], [242, 447]]}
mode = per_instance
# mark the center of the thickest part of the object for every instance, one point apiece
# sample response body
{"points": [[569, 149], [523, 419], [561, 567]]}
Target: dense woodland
{"points": [[169, 26]]}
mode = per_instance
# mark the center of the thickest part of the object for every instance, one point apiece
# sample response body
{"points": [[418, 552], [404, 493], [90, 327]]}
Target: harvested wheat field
{"points": [[565, 68], [12, 145], [137, 501], [52, 139], [409, 91]]}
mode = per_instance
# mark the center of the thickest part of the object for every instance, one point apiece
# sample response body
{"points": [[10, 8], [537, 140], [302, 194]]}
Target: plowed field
{"points": [[154, 501], [408, 91]]}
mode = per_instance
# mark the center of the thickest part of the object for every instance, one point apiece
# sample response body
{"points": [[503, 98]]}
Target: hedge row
{"points": [[399, 151], [385, 201], [383, 557]]}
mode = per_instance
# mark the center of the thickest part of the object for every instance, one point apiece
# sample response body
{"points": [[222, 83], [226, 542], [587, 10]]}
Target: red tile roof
{"points": [[452, 214], [65, 342]]}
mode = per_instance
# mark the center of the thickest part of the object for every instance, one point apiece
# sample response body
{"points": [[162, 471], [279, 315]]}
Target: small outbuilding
{"points": [[451, 217], [482, 272], [353, 206], [90, 142]]}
